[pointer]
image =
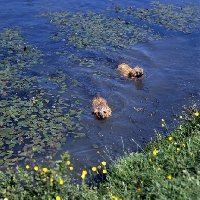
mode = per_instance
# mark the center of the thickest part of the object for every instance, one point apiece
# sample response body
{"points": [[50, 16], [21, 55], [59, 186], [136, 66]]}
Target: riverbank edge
{"points": [[167, 168]]}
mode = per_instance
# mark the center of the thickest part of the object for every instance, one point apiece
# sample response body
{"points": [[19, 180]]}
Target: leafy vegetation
{"points": [[33, 119], [167, 168]]}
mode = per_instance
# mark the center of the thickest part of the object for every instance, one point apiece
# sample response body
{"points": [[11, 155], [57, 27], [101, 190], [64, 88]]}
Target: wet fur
{"points": [[100, 108], [129, 72]]}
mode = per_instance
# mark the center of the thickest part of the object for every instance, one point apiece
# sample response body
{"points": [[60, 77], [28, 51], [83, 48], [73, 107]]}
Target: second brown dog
{"points": [[100, 108]]}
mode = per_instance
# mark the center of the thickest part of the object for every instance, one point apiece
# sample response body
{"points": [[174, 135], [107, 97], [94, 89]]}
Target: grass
{"points": [[167, 168]]}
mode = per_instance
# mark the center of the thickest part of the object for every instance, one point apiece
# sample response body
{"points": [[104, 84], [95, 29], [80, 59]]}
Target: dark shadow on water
{"points": [[139, 85]]}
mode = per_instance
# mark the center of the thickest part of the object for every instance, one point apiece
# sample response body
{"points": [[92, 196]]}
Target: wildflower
{"points": [[45, 170], [104, 171], [139, 189], [150, 160], [103, 163], [27, 166], [71, 168], [58, 198], [5, 199], [94, 169], [51, 179], [114, 197], [163, 125], [84, 172], [178, 149], [138, 196], [181, 117], [61, 182], [83, 176], [175, 143], [162, 120], [169, 177], [170, 138], [155, 152], [36, 168], [68, 162], [99, 167], [196, 114], [183, 145]]}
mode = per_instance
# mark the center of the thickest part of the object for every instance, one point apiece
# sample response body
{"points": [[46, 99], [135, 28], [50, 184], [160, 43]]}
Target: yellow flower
{"points": [[170, 138], [178, 149], [196, 113], [58, 198], [51, 179], [155, 152], [83, 176], [27, 166], [163, 125], [104, 171], [139, 189], [175, 143], [183, 145], [150, 160], [94, 169], [84, 172], [61, 182], [5, 199], [114, 197], [169, 177], [181, 117], [103, 163], [68, 162], [162, 120], [99, 167], [71, 168], [45, 170], [36, 168]]}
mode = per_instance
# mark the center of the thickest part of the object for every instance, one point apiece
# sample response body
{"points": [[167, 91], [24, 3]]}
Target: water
{"points": [[172, 79]]}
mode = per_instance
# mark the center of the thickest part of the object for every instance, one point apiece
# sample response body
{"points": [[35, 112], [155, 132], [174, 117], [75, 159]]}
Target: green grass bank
{"points": [[167, 168]]}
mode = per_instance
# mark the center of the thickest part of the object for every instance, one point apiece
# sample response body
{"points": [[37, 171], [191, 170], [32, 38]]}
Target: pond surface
{"points": [[64, 68]]}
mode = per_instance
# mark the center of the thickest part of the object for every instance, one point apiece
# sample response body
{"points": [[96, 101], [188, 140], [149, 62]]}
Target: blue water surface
{"points": [[172, 78]]}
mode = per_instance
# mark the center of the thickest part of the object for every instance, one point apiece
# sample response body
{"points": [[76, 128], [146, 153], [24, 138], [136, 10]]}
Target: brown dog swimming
{"points": [[129, 72], [100, 108]]}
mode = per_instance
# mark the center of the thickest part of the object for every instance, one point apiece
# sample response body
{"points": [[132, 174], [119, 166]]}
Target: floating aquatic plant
{"points": [[98, 31], [90, 30], [178, 18], [33, 120]]}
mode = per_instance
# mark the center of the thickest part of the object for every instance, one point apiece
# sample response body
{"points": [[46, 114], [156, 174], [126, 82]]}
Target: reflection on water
{"points": [[139, 84], [172, 79]]}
